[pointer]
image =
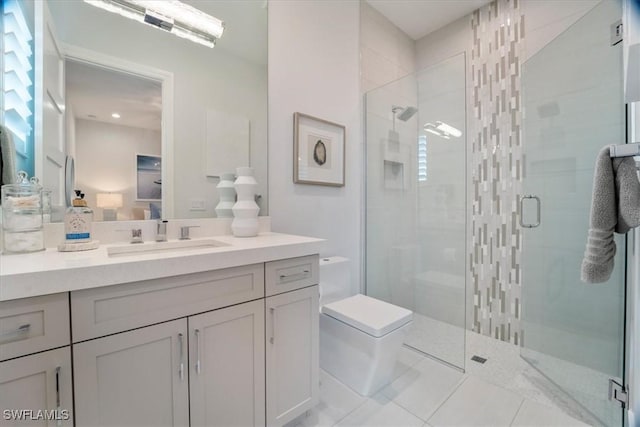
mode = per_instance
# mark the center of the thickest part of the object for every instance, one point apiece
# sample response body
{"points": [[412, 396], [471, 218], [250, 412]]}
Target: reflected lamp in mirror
{"points": [[109, 202], [173, 16]]}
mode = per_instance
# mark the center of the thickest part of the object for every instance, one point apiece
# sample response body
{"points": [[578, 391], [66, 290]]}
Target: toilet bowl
{"points": [[360, 336]]}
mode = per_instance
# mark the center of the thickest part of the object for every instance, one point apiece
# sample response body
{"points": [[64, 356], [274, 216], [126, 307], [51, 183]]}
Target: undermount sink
{"points": [[163, 247]]}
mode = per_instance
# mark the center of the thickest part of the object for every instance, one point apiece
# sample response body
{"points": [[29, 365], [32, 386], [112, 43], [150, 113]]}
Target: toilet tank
{"points": [[335, 279]]}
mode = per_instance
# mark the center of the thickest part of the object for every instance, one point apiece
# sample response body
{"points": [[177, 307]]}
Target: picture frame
{"points": [[148, 177], [318, 151]]}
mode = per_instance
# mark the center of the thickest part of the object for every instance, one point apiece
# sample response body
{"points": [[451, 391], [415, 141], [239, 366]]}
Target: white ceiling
{"points": [[99, 92], [417, 18]]}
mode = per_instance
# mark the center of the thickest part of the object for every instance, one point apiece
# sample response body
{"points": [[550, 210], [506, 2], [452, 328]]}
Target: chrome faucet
{"points": [[161, 230], [136, 235], [184, 231]]}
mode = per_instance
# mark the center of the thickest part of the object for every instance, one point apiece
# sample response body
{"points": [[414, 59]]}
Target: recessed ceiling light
{"points": [[115, 115]]}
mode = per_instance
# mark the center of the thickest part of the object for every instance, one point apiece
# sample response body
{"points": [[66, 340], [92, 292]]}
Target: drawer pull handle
{"points": [[16, 334], [197, 333], [272, 339], [181, 366], [59, 419], [289, 276]]}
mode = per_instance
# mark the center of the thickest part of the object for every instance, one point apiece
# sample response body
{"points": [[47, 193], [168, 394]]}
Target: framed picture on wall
{"points": [[318, 151], [148, 177]]}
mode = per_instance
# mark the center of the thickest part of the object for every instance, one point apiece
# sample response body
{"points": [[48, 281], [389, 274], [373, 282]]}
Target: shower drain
{"points": [[478, 359]]}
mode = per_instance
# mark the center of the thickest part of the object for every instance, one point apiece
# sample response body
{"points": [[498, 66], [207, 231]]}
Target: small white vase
{"points": [[245, 210], [227, 193]]}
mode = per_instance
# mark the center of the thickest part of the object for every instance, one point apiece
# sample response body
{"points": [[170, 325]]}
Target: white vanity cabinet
{"points": [[153, 370], [133, 378], [292, 340], [35, 372], [226, 366], [37, 388], [233, 346]]}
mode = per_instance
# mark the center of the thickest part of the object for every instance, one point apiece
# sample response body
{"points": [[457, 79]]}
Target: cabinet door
{"points": [[292, 354], [36, 389], [226, 369], [135, 378]]}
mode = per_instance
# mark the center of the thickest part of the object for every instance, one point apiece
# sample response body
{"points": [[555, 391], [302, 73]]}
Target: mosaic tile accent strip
{"points": [[496, 169]]}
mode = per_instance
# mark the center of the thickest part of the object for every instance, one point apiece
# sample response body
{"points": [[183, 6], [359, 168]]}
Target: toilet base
{"points": [[361, 361]]}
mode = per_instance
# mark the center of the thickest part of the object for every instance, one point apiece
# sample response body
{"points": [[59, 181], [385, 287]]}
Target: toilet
{"points": [[360, 336]]}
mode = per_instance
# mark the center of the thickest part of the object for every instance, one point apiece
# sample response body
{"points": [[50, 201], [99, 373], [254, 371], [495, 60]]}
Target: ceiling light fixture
{"points": [[169, 15], [115, 115]]}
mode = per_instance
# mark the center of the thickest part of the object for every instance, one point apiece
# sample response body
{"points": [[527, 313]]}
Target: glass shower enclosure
{"points": [[416, 204], [573, 106]]}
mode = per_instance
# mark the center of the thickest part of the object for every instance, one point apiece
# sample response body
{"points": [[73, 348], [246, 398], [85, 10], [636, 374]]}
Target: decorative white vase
{"points": [[227, 193], [245, 210]]}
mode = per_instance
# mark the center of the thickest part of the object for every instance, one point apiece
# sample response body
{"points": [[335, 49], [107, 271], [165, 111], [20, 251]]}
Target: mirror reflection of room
{"points": [[114, 133], [210, 116]]}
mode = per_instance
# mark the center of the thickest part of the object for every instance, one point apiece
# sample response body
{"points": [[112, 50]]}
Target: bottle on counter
{"points": [[78, 220]]}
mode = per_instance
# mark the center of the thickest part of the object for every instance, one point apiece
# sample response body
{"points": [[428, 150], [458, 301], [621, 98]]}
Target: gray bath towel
{"points": [[615, 206], [7, 157]]}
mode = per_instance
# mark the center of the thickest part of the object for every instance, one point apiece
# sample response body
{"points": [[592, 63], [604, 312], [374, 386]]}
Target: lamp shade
{"points": [[109, 200]]}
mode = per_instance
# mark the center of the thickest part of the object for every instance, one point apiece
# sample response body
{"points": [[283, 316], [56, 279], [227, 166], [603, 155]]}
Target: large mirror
{"points": [[151, 119]]}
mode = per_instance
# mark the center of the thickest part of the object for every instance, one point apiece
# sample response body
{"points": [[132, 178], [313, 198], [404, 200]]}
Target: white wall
{"points": [[106, 161], [203, 79], [386, 52], [313, 69]]}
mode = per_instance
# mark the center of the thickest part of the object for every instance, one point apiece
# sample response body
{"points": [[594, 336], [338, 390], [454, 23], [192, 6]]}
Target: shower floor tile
{"points": [[504, 366], [533, 414]]}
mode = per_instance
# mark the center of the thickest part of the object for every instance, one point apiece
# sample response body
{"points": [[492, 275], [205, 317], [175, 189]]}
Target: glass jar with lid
{"points": [[22, 216]]}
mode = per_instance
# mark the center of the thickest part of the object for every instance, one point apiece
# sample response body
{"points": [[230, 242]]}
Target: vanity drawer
{"points": [[102, 311], [35, 324], [291, 274]]}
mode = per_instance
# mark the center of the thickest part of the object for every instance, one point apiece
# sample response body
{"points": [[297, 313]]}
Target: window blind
{"points": [[16, 80]]}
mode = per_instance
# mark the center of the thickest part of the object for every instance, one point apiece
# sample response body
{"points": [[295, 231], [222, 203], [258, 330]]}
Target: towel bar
{"points": [[625, 150]]}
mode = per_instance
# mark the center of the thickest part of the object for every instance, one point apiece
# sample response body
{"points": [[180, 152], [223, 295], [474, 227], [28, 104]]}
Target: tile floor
{"points": [[426, 393]]}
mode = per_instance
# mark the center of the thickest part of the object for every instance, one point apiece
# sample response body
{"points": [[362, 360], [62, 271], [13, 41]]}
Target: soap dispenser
{"points": [[77, 220]]}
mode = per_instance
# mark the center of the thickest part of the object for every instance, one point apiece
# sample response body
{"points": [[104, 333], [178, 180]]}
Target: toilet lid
{"points": [[375, 317]]}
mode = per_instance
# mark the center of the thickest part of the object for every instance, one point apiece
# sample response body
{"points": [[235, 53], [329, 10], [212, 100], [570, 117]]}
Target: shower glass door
{"points": [[573, 332], [416, 204]]}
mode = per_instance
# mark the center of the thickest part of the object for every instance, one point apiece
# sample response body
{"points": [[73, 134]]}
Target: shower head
{"points": [[405, 112]]}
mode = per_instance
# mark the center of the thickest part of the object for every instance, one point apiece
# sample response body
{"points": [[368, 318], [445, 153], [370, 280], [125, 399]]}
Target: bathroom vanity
{"points": [[224, 335]]}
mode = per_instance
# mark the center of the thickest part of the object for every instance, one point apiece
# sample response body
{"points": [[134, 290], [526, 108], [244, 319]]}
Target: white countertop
{"points": [[50, 271]]}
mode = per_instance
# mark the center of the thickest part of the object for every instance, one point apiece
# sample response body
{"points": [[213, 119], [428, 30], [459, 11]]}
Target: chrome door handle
{"points": [[289, 276], [272, 339], [12, 335], [538, 211], [59, 419], [181, 366], [197, 334]]}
